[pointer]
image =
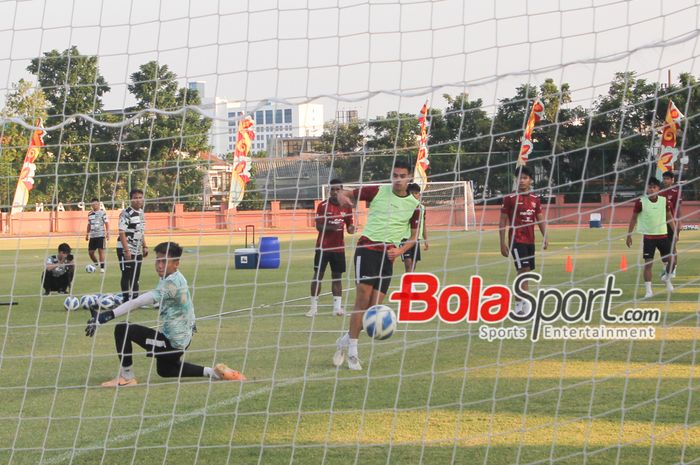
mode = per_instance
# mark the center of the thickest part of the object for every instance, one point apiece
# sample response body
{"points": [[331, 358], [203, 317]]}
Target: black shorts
{"points": [[374, 268], [670, 234], [323, 259], [650, 246], [523, 255], [96, 243], [413, 253]]}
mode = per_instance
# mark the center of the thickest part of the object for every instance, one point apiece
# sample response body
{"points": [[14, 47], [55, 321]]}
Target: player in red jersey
{"points": [[331, 221], [519, 213], [673, 196]]}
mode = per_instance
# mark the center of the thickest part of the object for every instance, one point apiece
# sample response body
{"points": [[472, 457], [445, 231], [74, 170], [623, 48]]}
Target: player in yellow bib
{"points": [[393, 216]]}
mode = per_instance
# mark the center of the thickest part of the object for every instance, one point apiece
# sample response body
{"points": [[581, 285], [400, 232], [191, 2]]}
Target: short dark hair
{"points": [[65, 248], [169, 249], [94, 199], [335, 181], [401, 163], [135, 191], [669, 174], [523, 170], [413, 187], [653, 181]]}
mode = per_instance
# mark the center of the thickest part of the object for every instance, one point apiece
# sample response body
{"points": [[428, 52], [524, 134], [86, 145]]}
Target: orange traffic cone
{"points": [[569, 264], [623, 263]]}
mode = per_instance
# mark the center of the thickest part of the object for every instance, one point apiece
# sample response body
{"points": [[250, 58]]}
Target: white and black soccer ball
{"points": [[71, 303], [118, 299], [89, 302], [106, 301], [90, 268], [379, 322]]}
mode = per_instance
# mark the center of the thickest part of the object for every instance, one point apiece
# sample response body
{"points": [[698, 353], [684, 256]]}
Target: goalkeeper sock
{"points": [[337, 303], [352, 348], [210, 373], [314, 303], [127, 372], [647, 285]]}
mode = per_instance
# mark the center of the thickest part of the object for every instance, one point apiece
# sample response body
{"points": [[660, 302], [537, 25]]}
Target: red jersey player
{"points": [[331, 221], [673, 196], [519, 213]]}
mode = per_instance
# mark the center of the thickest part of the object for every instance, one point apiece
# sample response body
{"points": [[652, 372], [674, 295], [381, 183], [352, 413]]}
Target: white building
{"points": [[284, 121]]}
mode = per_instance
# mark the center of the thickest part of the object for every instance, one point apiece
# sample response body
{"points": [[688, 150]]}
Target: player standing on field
{"points": [[653, 213], [673, 196], [97, 233], [331, 221], [393, 215], [412, 256], [519, 213], [131, 245], [176, 324]]}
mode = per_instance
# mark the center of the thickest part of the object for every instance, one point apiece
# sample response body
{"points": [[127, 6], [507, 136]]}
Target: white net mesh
{"points": [[150, 95]]}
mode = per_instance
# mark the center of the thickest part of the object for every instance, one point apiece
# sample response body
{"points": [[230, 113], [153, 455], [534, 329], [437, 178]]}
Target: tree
{"points": [[343, 137]]}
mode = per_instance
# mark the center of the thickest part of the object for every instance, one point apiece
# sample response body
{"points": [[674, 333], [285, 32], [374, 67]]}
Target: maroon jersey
{"points": [[638, 209], [332, 214], [368, 193], [524, 208], [673, 195]]}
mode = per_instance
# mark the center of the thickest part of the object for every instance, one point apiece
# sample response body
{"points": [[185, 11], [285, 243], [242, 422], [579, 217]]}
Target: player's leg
{"points": [[337, 262], [63, 283], [319, 271], [138, 261], [169, 364], [664, 246], [124, 335], [91, 253], [48, 282], [648, 251], [408, 263], [127, 269], [524, 260], [101, 253]]}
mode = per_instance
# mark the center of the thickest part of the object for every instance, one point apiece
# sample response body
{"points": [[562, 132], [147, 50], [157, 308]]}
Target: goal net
{"points": [[231, 119]]}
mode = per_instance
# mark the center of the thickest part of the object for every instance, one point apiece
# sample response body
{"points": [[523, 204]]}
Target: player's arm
{"points": [[398, 251], [349, 223], [502, 228], [543, 229], [346, 198], [669, 219], [87, 233], [424, 225], [123, 225], [100, 318], [106, 225], [630, 228]]}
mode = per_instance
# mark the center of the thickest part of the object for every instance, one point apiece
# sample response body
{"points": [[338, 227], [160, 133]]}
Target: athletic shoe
{"points": [[120, 382], [648, 295], [228, 374], [339, 312], [354, 363], [518, 309], [664, 277], [673, 273], [339, 356], [311, 313], [102, 270], [669, 285]]}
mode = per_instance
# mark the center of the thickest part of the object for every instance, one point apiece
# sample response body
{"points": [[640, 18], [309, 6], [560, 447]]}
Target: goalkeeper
{"points": [[176, 321]]}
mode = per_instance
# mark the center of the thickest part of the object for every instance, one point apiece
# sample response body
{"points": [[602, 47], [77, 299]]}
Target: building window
{"points": [[259, 117], [288, 115], [268, 116], [278, 116]]}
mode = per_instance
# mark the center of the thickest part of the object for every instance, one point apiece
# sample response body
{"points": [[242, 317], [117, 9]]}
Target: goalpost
{"points": [[593, 97]]}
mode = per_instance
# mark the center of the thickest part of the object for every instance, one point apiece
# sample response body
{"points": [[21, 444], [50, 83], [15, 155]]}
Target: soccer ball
{"points": [[106, 301], [90, 268], [379, 321], [118, 299], [88, 302], [71, 303]]}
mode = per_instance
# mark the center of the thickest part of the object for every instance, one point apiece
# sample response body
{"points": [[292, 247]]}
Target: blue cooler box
{"points": [[595, 220], [246, 258]]}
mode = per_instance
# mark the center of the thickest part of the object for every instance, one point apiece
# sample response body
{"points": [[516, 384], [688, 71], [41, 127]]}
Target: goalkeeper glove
{"points": [[97, 320]]}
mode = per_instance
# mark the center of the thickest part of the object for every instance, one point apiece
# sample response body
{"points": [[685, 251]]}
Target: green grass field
{"points": [[433, 393]]}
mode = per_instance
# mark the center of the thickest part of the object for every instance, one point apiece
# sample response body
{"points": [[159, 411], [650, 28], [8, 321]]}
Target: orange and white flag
{"points": [[420, 173], [526, 145], [669, 133], [25, 183], [241, 161]]}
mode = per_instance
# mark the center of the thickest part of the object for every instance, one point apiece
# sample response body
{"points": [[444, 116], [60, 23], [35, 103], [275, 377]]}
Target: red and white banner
{"points": [[241, 161], [669, 153], [25, 183], [420, 173], [526, 146]]}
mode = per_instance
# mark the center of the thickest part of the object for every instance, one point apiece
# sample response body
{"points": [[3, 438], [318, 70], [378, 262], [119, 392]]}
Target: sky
{"points": [[374, 56]]}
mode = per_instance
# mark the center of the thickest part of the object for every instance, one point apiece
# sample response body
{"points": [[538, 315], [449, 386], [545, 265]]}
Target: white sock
{"points": [[647, 285], [127, 372], [337, 303], [210, 373], [344, 340], [314, 303], [352, 348]]}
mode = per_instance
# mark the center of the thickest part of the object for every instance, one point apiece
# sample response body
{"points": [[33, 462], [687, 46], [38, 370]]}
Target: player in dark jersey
{"points": [[97, 233], [519, 213], [673, 197], [58, 271], [331, 221], [131, 245]]}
